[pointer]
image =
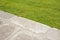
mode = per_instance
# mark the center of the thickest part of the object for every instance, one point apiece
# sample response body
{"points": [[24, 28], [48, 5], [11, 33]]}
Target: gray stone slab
{"points": [[18, 28], [5, 31], [3, 21], [8, 30], [53, 34], [5, 15], [29, 24], [24, 35]]}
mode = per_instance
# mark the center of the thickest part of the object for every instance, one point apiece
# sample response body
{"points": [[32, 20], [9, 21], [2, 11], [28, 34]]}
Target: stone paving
{"points": [[18, 28]]}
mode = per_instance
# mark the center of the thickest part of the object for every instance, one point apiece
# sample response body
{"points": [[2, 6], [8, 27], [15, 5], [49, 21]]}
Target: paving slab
{"points": [[13, 27], [8, 30], [53, 34], [5, 15]]}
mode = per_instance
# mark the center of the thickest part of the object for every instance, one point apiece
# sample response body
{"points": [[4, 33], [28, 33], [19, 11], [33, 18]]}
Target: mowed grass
{"points": [[43, 11]]}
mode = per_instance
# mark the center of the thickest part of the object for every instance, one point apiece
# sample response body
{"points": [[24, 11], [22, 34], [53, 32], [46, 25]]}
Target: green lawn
{"points": [[43, 11]]}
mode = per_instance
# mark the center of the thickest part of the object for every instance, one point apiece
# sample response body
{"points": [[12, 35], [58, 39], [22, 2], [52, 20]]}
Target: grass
{"points": [[43, 11]]}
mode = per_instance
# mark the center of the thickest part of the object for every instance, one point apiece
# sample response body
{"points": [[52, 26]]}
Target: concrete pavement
{"points": [[18, 28]]}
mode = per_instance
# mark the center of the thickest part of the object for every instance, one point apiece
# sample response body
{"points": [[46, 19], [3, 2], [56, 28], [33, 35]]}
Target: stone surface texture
{"points": [[18, 28]]}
